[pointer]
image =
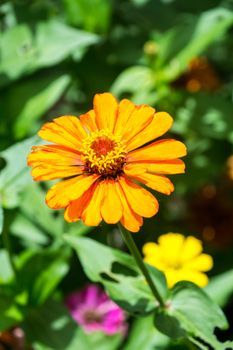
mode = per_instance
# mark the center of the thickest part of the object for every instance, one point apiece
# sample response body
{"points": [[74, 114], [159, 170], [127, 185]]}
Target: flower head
{"points": [[100, 157], [92, 309], [199, 76], [180, 258]]}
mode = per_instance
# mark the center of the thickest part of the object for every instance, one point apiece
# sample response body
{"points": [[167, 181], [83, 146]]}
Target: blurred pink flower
{"points": [[94, 311]]}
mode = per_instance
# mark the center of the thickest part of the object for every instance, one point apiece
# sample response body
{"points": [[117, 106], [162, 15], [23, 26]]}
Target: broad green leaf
{"points": [[91, 15], [41, 274], [78, 229], [191, 314], [50, 327], [118, 273], [6, 272], [22, 52], [97, 341], [17, 52], [217, 292], [60, 332], [38, 104], [137, 80], [1, 218], [36, 224], [16, 174], [210, 25], [55, 41], [28, 232], [143, 335], [34, 208], [9, 311]]}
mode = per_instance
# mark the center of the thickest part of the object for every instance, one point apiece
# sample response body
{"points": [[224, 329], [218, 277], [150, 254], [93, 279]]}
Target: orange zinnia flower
{"points": [[100, 156]]}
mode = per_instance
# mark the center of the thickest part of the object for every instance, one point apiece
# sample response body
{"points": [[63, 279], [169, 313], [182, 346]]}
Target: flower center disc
{"points": [[104, 154], [92, 316]]}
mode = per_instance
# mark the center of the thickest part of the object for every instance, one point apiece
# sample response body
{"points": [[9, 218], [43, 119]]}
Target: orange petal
{"points": [[66, 131], [63, 193], [160, 124], [91, 214], [157, 182], [42, 173], [74, 210], [138, 120], [51, 162], [139, 199], [106, 108], [125, 110], [54, 154], [111, 208], [88, 121], [130, 220], [172, 166], [159, 150]]}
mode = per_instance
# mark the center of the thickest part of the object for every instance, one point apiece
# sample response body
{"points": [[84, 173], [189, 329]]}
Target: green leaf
{"points": [[118, 273], [210, 25], [148, 339], [205, 116], [97, 341], [16, 51], [6, 272], [9, 311], [28, 232], [50, 327], [55, 41], [191, 314], [137, 80], [215, 288], [1, 218], [41, 274], [34, 209], [91, 15], [60, 332], [16, 174], [21, 52], [38, 104], [35, 224]]}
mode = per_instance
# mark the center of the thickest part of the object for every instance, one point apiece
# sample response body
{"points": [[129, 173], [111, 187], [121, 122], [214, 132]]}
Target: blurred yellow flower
{"points": [[180, 258]]}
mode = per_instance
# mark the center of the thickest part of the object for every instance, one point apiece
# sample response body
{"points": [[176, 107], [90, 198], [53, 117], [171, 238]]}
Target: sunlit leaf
{"points": [[16, 175], [9, 311], [6, 272], [138, 81], [41, 273], [91, 15], [118, 273], [38, 104], [23, 52], [198, 35], [191, 314], [50, 35], [1, 219], [149, 339], [217, 292]]}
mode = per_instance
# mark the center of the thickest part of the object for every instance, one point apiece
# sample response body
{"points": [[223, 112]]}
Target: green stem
{"points": [[7, 245], [127, 236]]}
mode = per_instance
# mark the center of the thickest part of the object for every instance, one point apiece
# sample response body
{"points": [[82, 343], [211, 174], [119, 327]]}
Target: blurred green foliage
{"points": [[54, 56]]}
